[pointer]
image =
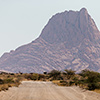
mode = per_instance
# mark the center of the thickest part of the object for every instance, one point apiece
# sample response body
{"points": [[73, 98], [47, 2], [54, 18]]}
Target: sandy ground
{"points": [[30, 90]]}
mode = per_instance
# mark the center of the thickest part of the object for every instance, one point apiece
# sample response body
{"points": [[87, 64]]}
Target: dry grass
{"points": [[97, 90], [10, 80], [59, 83], [56, 81], [4, 87]]}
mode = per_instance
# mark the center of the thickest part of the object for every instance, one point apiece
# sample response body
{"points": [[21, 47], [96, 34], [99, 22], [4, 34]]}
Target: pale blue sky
{"points": [[21, 21]]}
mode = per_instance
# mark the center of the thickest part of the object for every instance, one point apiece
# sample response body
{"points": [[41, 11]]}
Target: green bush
{"points": [[71, 83], [1, 81], [70, 73], [55, 74], [8, 80], [91, 78], [32, 76], [35, 77], [93, 86]]}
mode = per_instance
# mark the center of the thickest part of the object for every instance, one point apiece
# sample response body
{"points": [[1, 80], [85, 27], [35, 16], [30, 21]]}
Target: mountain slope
{"points": [[69, 40]]}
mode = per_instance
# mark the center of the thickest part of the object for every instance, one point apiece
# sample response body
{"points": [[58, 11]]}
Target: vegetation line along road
{"points": [[38, 88], [85, 79]]}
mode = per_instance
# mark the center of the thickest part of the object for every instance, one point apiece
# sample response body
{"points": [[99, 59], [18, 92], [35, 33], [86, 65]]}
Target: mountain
{"points": [[70, 40]]}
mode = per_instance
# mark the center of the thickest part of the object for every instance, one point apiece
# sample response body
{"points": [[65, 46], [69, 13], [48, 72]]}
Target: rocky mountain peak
{"points": [[71, 27], [70, 40], [84, 10]]}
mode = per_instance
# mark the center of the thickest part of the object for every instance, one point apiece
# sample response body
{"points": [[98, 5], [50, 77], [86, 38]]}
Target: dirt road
{"points": [[30, 90]]}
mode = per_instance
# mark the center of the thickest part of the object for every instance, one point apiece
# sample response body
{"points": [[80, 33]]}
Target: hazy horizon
{"points": [[22, 21]]}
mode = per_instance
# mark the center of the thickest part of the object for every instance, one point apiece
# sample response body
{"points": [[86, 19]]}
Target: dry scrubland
{"points": [[86, 79]]}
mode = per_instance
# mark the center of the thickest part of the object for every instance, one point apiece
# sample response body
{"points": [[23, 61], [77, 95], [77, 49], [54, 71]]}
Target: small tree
{"points": [[70, 73], [85, 73], [92, 79], [55, 74], [1, 81]]}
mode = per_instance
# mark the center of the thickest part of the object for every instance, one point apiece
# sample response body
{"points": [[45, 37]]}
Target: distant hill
{"points": [[70, 40]]}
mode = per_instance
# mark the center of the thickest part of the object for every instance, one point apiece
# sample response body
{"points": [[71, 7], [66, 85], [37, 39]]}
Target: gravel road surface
{"points": [[30, 90]]}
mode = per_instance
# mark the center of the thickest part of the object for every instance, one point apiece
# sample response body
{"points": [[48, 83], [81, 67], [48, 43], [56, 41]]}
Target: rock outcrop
{"points": [[70, 40]]}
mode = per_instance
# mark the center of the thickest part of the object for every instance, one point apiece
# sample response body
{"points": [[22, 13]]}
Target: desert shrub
{"points": [[41, 76], [1, 81], [27, 76], [93, 86], [17, 84], [31, 73], [8, 76], [71, 83], [8, 80], [75, 79], [70, 73], [9, 85], [17, 80], [35, 77], [32, 76], [91, 78], [85, 73], [4, 87], [62, 81], [11, 73], [55, 74]]}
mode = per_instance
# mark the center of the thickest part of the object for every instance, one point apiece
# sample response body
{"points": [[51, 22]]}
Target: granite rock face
{"points": [[70, 40]]}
